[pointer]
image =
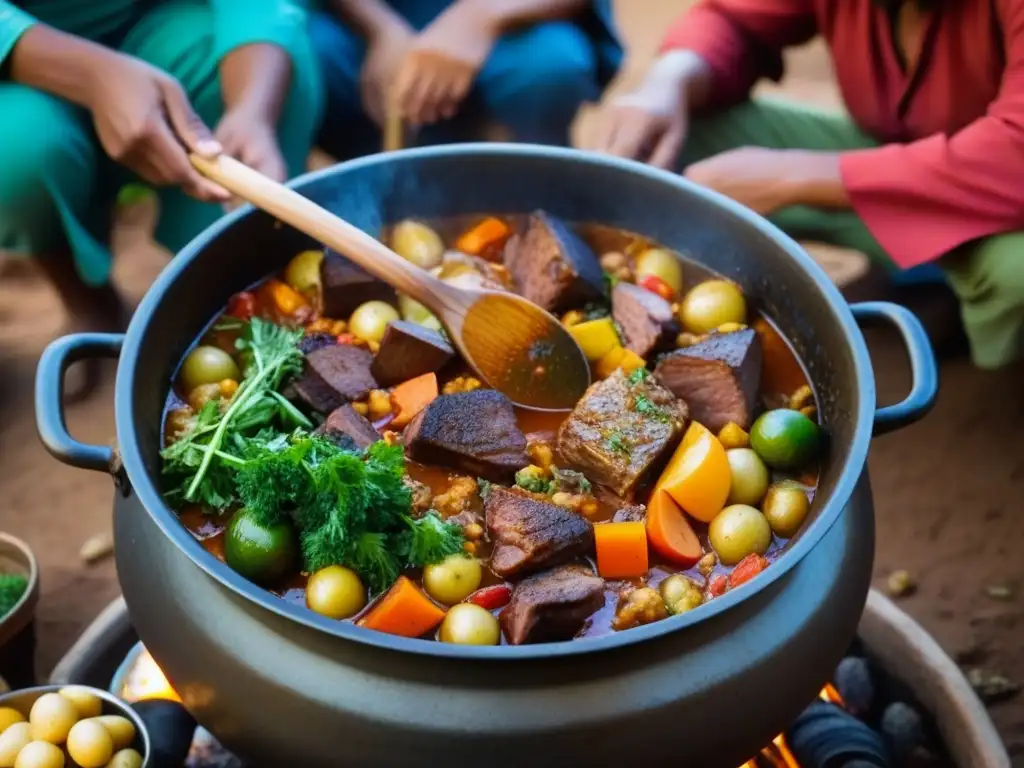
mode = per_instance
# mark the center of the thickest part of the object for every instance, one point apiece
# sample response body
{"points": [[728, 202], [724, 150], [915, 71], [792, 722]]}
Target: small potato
{"points": [[417, 243], [126, 758], [121, 729], [12, 740], [207, 365], [9, 716], [786, 507], [414, 312], [680, 593], [86, 702], [737, 531], [51, 718], [303, 271], [90, 744], [40, 754], [750, 477], [453, 579], [710, 304], [469, 624], [661, 264], [335, 592], [371, 319]]}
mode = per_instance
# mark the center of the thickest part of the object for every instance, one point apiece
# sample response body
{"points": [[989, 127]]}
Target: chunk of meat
{"points": [[620, 430], [634, 513], [551, 266], [408, 350], [718, 378], [421, 495], [345, 422], [530, 535], [473, 432], [346, 286], [639, 606], [646, 319], [334, 376], [552, 606]]}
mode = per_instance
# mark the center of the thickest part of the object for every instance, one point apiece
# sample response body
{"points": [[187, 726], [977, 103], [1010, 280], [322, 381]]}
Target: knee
{"points": [[999, 261]]}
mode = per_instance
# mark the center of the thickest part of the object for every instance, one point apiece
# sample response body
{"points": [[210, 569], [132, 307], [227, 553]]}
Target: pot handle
{"points": [[923, 369], [49, 396]]}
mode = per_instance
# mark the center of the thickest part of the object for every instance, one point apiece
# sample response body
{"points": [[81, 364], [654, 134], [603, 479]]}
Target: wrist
{"points": [[488, 17], [387, 26], [814, 179]]}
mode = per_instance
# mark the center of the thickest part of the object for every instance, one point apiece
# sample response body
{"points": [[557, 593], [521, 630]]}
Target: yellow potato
{"points": [[12, 740], [40, 754], [90, 744], [51, 718], [9, 716], [121, 729], [126, 758], [86, 702]]}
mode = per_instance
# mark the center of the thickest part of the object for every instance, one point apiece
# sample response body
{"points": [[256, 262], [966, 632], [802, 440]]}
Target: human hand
{"points": [[385, 53], [766, 180], [252, 140], [445, 58], [144, 121]]}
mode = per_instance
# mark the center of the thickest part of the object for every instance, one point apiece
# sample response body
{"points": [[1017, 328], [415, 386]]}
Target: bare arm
{"points": [[57, 63], [369, 17], [512, 13], [254, 79]]}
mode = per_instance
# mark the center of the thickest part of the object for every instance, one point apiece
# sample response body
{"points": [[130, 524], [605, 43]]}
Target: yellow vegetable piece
{"points": [[661, 264], [631, 361], [608, 364], [698, 476], [121, 729], [86, 702], [126, 758], [596, 337], [303, 271], [40, 754], [90, 744], [9, 716], [51, 718], [12, 741]]}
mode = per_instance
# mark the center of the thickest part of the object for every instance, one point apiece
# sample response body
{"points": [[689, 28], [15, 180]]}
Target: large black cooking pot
{"points": [[283, 686]]}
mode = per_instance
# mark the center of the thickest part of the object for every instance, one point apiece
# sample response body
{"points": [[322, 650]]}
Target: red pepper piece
{"points": [[746, 569], [346, 338], [719, 584], [655, 284], [242, 305], [491, 598]]}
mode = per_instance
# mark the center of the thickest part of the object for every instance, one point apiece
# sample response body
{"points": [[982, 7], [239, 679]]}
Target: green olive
{"points": [[680, 593], [261, 553], [86, 702], [303, 271], [12, 741], [335, 592], [453, 579], [786, 507], [121, 729], [370, 320], [40, 754], [126, 758], [785, 439], [417, 243], [711, 304], [414, 312], [207, 365], [662, 264], [737, 531], [469, 624], [750, 476], [90, 744], [51, 717]]}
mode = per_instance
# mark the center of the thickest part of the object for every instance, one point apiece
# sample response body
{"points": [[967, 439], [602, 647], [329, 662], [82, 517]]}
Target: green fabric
{"points": [[57, 188], [986, 275], [13, 23]]}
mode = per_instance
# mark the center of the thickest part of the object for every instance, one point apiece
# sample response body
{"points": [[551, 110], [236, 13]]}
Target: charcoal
{"points": [[826, 736], [171, 730], [903, 729], [853, 680]]}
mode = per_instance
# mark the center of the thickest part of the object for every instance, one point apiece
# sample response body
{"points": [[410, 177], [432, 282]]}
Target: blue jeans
{"points": [[532, 84]]}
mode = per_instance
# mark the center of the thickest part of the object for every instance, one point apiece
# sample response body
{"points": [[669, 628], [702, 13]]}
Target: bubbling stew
{"points": [[324, 439]]}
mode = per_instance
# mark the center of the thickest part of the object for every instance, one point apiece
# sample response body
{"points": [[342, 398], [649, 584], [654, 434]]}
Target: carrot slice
{"points": [[412, 396], [489, 233], [286, 299], [746, 569], [698, 476], [669, 532], [405, 610], [621, 550]]}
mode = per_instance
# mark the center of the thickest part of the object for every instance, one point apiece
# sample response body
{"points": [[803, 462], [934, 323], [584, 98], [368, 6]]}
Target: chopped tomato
{"points": [[346, 338], [491, 598], [242, 305], [718, 586], [655, 284], [746, 569]]}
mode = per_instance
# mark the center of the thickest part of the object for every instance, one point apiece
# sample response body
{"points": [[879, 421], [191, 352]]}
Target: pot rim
{"points": [[23, 611], [154, 505]]}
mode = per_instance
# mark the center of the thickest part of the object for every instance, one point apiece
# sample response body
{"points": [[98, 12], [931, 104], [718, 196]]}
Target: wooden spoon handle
{"points": [[306, 216]]}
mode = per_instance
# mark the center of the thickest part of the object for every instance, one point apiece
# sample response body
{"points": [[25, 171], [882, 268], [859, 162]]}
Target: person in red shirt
{"points": [[926, 167]]}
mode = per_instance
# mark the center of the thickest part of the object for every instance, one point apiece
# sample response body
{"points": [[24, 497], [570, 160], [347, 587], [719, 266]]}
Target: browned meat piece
{"points": [[335, 376], [620, 430], [634, 513], [409, 350], [473, 432], [552, 266], [530, 535], [718, 378], [552, 606], [315, 341], [422, 496], [346, 286], [646, 319], [344, 422]]}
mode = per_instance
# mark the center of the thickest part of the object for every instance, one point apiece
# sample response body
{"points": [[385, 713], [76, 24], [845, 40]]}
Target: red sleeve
{"points": [[742, 40], [921, 200]]}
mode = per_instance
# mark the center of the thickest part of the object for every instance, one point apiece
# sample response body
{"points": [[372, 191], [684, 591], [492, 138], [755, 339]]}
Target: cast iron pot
{"points": [[281, 685]]}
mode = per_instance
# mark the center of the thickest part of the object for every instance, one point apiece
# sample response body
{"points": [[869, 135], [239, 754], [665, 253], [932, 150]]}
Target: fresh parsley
{"points": [[643, 405], [616, 442], [638, 376]]}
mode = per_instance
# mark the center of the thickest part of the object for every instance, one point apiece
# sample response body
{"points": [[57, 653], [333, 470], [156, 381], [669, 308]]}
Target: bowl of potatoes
{"points": [[54, 726]]}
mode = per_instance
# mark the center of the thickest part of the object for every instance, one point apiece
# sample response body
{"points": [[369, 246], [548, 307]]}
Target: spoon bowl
{"points": [[511, 343]]}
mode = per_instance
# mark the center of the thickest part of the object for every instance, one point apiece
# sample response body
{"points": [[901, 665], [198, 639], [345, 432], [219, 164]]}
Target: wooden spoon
{"points": [[513, 345]]}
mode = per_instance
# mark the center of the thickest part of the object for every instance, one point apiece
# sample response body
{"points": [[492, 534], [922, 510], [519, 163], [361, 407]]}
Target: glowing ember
{"points": [[146, 681]]}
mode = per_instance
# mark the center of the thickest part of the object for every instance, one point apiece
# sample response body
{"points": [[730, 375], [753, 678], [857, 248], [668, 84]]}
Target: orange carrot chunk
{"points": [[412, 396], [489, 233], [286, 299], [405, 610], [670, 533], [621, 550]]}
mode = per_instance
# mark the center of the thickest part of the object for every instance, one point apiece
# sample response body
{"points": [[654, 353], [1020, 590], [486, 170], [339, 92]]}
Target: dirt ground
{"points": [[947, 491]]}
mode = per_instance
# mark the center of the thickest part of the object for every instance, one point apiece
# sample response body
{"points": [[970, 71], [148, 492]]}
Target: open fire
{"points": [[145, 680]]}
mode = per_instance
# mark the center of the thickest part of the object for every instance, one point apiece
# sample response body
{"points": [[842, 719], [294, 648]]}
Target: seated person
{"points": [[926, 168], [445, 66], [136, 82]]}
